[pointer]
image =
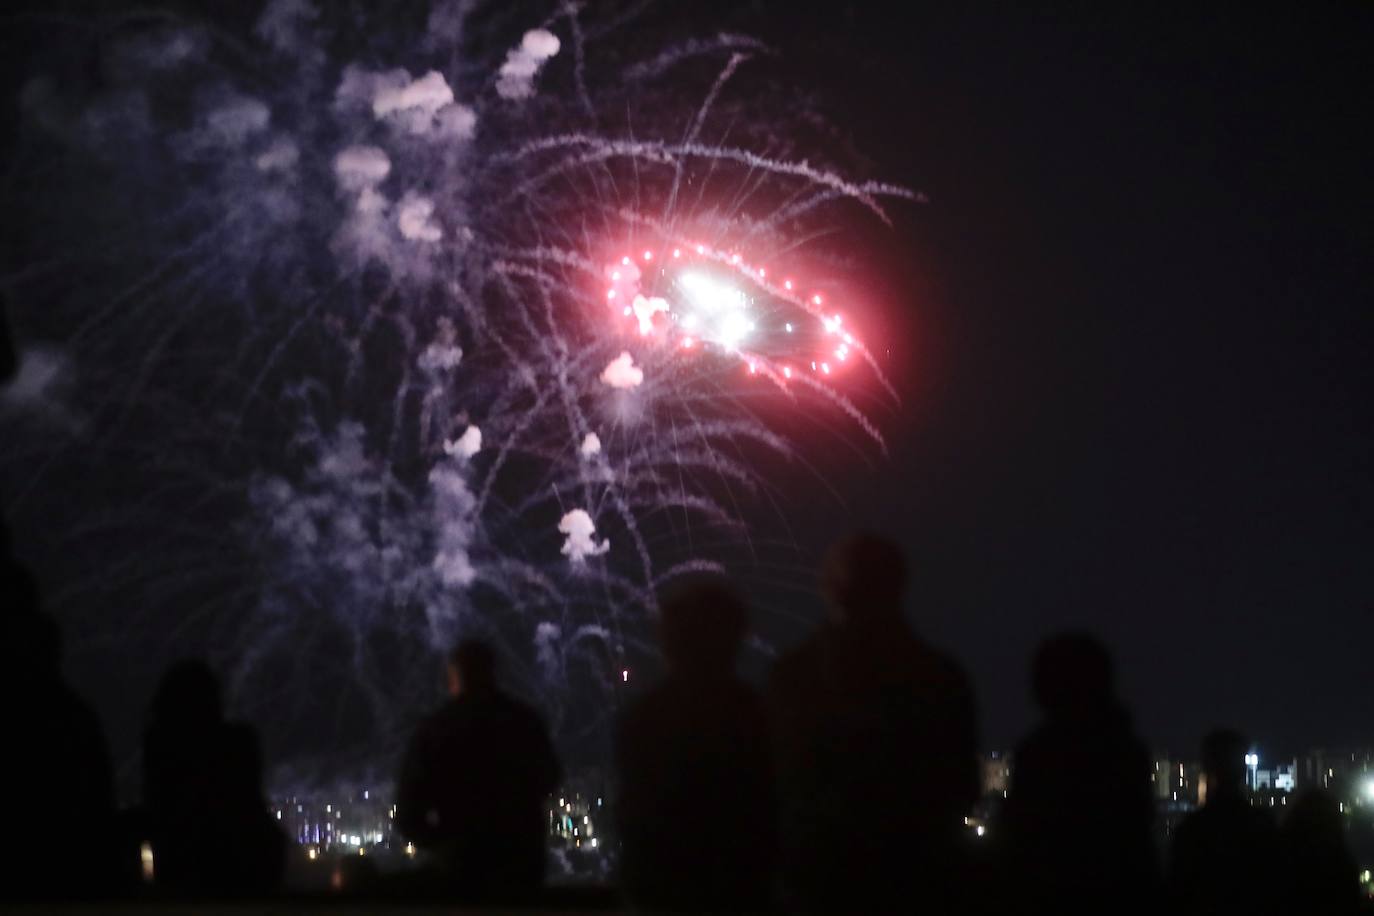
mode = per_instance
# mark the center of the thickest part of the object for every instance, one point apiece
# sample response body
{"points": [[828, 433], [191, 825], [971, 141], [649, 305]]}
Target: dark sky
{"points": [[1137, 348]]}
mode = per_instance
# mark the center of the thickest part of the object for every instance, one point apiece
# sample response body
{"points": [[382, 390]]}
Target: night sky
{"points": [[1132, 328], [1136, 350]]}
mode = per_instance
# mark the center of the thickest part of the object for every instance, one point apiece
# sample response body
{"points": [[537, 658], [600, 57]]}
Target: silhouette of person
{"points": [[474, 781], [875, 748], [1078, 815], [697, 812], [1319, 871], [1219, 850], [206, 813], [60, 782]]}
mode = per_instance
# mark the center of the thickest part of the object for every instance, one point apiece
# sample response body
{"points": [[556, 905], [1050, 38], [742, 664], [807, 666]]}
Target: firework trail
{"points": [[366, 334]]}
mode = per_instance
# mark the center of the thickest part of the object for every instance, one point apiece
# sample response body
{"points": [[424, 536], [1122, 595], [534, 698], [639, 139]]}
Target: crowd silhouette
{"points": [[1223, 838], [200, 769], [474, 781], [869, 813], [697, 794], [843, 787], [1077, 823]]}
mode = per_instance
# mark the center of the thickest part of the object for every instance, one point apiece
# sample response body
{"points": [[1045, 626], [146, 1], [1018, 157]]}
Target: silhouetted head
{"points": [[1223, 760], [471, 668], [1072, 676], [863, 578], [702, 626], [188, 695]]}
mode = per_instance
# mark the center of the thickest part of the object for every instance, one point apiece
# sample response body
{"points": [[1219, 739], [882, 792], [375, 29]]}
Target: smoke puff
{"points": [[422, 107], [360, 167], [237, 119], [454, 568], [522, 64], [546, 637], [413, 219], [160, 49], [118, 118], [446, 21], [367, 235], [279, 157], [282, 21], [453, 507], [428, 94], [359, 87], [466, 445], [457, 122], [371, 202], [591, 445], [622, 372], [40, 374], [540, 44], [593, 631], [581, 536], [440, 357]]}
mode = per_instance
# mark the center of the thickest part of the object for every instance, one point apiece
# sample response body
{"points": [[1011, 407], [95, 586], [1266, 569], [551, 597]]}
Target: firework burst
{"points": [[420, 339]]}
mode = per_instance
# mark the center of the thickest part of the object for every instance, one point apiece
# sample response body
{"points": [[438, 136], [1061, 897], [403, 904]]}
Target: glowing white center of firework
{"points": [[717, 308], [709, 295], [733, 328]]}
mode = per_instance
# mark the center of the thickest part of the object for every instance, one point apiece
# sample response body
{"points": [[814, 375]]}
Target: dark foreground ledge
{"points": [[550, 902]]}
